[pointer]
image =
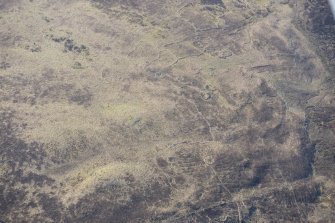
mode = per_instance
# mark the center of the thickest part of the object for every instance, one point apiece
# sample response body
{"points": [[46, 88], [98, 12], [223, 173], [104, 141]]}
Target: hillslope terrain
{"points": [[167, 111]]}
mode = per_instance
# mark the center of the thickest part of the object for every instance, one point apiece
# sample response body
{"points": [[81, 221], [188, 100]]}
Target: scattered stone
{"points": [[212, 2], [4, 65], [34, 48], [77, 65], [284, 1]]}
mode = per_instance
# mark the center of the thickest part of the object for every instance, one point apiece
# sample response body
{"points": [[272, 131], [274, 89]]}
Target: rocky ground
{"points": [[167, 111]]}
